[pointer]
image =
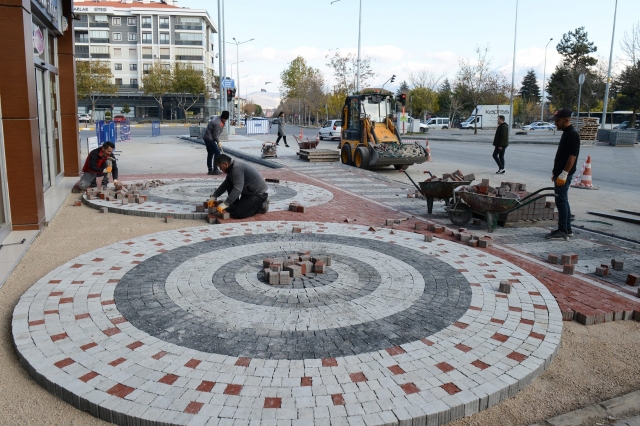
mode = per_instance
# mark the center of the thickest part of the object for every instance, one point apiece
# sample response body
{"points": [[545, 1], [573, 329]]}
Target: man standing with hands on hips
{"points": [[212, 141], [564, 166]]}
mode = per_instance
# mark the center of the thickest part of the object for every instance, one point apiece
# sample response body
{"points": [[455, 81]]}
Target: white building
{"points": [[131, 35]]}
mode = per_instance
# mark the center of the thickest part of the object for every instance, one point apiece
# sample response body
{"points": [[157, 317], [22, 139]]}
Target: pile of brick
{"points": [[127, 193], [282, 270], [505, 190], [567, 260], [456, 176]]}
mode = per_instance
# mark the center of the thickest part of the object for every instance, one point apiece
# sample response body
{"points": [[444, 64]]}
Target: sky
{"points": [[410, 36]]}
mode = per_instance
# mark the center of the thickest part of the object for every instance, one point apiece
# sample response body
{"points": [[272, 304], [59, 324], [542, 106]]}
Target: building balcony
{"points": [[100, 55], [82, 55], [165, 42], [188, 42], [146, 25], [165, 56], [80, 24], [127, 87], [82, 40], [147, 42], [147, 56], [99, 40], [188, 27], [99, 24], [188, 58], [164, 26]]}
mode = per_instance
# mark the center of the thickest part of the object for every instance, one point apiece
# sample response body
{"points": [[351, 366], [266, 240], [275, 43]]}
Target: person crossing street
{"points": [[282, 130]]}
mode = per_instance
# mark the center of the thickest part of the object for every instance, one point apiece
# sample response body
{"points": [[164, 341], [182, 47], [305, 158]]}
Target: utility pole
{"points": [[606, 90], [513, 72], [223, 93]]}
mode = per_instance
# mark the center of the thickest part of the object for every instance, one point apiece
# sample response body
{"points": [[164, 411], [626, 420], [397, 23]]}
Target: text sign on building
{"points": [[228, 83]]}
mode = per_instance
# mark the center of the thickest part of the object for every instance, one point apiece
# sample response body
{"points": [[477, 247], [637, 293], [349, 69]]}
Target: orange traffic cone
{"points": [[301, 135], [585, 177], [429, 152]]}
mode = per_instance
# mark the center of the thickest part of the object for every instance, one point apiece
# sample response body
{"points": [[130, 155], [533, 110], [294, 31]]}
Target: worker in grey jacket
{"points": [[246, 189], [212, 140], [282, 129]]}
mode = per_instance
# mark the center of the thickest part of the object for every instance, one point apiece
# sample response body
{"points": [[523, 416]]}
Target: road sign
{"points": [[581, 79], [228, 83]]}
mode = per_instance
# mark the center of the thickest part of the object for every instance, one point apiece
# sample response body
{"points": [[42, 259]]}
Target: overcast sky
{"points": [[407, 36]]}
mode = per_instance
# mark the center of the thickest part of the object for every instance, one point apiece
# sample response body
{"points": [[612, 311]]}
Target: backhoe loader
{"points": [[370, 139]]}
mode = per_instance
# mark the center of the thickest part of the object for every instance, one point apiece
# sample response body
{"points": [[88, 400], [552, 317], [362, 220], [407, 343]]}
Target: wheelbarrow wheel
{"points": [[401, 166], [461, 215]]}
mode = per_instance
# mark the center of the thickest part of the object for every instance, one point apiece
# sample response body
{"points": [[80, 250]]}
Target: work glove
{"points": [[222, 207], [562, 179], [107, 170], [115, 182]]}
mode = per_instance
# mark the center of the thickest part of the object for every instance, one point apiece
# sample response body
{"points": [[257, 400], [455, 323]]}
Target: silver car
{"points": [[331, 130], [539, 125]]}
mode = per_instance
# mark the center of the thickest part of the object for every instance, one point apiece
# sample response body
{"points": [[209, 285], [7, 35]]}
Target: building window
{"points": [[117, 36], [133, 82], [146, 38], [82, 37], [99, 51], [188, 23], [146, 68], [133, 52], [117, 67], [146, 22], [133, 36], [118, 82], [165, 53], [163, 22], [131, 21], [117, 52], [133, 67], [164, 38], [99, 36], [189, 39], [147, 53], [99, 21], [82, 51], [116, 22]]}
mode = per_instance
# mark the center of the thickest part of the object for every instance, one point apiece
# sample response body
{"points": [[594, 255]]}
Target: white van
{"points": [[435, 123]]}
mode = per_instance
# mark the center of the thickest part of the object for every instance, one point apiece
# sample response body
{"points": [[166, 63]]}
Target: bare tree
{"points": [[425, 79], [345, 69], [630, 43]]}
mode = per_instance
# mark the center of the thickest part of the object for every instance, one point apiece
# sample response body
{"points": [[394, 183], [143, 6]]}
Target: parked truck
{"points": [[485, 117]]}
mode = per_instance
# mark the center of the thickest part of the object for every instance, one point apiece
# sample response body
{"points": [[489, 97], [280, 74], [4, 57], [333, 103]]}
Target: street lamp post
{"points": [[513, 71], [238, 43], [359, 38], [221, 65], [606, 89], [543, 80]]}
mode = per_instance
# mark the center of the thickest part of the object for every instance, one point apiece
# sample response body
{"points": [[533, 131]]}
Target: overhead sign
{"points": [[228, 83]]}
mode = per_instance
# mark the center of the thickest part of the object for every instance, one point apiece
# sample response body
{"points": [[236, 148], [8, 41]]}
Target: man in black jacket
{"points": [[246, 189], [212, 141], [500, 142], [564, 166]]}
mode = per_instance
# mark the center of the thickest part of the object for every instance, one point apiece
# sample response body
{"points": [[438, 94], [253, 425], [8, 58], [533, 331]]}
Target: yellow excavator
{"points": [[370, 139]]}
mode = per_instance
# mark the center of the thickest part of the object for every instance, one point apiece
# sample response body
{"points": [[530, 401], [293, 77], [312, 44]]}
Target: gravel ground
{"points": [[594, 363]]}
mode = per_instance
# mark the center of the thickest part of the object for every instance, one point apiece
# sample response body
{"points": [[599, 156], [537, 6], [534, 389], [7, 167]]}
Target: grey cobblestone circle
{"points": [[142, 299], [199, 191]]}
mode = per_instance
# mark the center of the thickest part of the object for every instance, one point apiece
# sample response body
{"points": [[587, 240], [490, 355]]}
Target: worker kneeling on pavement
{"points": [[100, 162], [246, 188]]}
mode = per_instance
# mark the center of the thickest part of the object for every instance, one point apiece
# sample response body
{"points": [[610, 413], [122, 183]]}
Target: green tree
{"points": [[575, 49], [94, 80], [345, 71], [627, 87], [125, 108], [423, 101], [188, 85], [404, 88], [304, 83], [444, 99], [529, 90], [157, 83], [292, 78]]}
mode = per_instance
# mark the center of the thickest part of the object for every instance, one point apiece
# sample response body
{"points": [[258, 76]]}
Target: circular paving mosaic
{"points": [[179, 327], [179, 197]]}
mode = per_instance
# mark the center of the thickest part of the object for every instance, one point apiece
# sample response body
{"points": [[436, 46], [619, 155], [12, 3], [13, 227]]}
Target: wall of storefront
{"points": [[39, 121]]}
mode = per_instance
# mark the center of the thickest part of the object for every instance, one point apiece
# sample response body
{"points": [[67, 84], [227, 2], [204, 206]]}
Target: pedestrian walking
{"points": [[564, 166], [282, 130], [500, 142], [212, 141]]}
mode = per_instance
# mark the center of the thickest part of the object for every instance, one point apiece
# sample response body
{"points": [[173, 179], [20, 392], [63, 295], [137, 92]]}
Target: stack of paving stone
{"points": [[456, 176], [319, 155], [588, 127], [282, 270], [126, 193]]}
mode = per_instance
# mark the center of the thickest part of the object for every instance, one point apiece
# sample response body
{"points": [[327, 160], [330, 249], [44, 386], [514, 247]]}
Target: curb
{"points": [[620, 406], [129, 212], [239, 154]]}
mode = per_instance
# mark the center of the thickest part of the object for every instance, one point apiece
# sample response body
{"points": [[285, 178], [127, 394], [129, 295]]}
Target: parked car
{"points": [[625, 125], [84, 118], [539, 125], [435, 123], [331, 130], [119, 118], [274, 120]]}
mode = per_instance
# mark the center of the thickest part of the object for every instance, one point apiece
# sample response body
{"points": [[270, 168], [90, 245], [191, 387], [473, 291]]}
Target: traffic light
{"points": [[393, 78], [229, 95], [233, 93], [403, 99]]}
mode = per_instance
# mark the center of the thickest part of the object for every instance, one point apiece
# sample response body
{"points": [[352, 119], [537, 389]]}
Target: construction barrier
{"points": [[257, 126], [155, 128], [125, 131]]}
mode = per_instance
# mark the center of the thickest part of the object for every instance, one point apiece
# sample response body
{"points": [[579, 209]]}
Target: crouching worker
{"points": [[97, 165], [246, 188]]}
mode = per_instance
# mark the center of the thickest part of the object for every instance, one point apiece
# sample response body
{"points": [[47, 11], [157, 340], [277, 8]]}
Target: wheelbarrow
{"points": [[466, 203], [308, 144], [436, 189]]}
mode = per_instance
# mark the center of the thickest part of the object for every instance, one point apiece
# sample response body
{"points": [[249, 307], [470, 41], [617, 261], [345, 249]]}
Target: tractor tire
{"points": [[345, 154], [361, 158], [401, 166]]}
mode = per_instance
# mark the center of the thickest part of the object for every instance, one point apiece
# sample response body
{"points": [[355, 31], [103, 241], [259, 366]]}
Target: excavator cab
{"points": [[369, 137]]}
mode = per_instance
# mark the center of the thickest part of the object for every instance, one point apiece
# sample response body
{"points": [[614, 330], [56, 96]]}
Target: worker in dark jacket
{"points": [[246, 189], [500, 142], [564, 166], [99, 163], [212, 141]]}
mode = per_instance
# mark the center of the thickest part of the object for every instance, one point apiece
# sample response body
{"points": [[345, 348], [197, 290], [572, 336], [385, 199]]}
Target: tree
{"points": [[93, 81], [425, 79], [529, 91], [575, 49], [404, 88], [444, 99], [157, 83], [345, 71], [188, 84], [627, 86], [305, 83], [480, 83], [125, 108], [423, 100], [630, 43], [292, 78]]}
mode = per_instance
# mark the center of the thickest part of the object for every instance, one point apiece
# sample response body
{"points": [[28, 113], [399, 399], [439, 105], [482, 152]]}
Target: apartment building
{"points": [[131, 35]]}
